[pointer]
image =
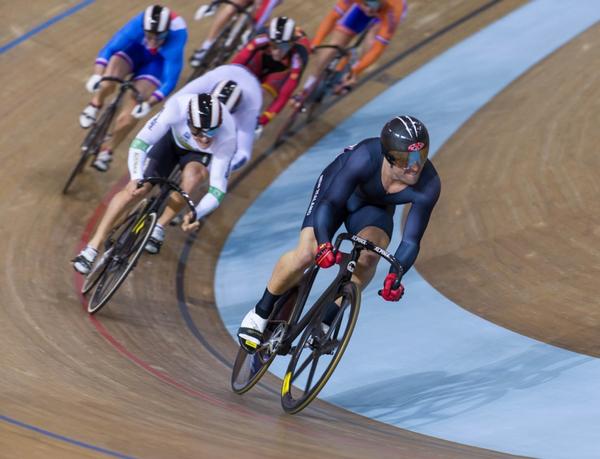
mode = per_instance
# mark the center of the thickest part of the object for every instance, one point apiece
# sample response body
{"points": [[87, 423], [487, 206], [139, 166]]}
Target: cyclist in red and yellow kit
{"points": [[277, 57], [350, 18]]}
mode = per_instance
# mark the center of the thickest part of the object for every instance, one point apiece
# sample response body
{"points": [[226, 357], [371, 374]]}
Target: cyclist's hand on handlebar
{"points": [[326, 257], [392, 288], [92, 83], [141, 110], [189, 224], [135, 189]]}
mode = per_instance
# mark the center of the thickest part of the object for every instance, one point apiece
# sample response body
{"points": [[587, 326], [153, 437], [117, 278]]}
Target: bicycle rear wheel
{"points": [[128, 246], [317, 354], [249, 368]]}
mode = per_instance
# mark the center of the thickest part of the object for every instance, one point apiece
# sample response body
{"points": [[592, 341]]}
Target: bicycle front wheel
{"points": [[317, 353], [95, 274], [129, 242]]}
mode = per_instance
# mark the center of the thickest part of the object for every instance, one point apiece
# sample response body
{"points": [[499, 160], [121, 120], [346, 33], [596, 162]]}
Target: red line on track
{"points": [[118, 346], [162, 376]]}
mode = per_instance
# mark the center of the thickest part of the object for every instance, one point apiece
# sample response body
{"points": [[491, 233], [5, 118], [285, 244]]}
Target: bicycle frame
{"points": [[347, 267], [166, 187], [109, 112]]}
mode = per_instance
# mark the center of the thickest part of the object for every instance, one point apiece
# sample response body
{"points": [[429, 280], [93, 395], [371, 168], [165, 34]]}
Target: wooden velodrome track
{"points": [[136, 381]]}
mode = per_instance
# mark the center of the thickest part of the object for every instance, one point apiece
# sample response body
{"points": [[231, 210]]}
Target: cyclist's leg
{"points": [[115, 208], [220, 21], [125, 121], [322, 57], [291, 265], [351, 24], [367, 263], [119, 67], [263, 11], [147, 80], [375, 224], [288, 271], [193, 173]]}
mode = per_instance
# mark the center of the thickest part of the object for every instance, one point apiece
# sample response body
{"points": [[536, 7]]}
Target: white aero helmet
{"points": [[157, 19], [229, 93], [205, 114], [281, 29]]}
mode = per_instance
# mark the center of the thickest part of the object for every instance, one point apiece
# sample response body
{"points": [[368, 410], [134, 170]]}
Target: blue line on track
{"points": [[63, 438], [45, 25]]}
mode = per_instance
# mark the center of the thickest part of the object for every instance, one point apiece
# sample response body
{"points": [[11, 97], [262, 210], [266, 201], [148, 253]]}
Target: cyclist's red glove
{"points": [[392, 288], [326, 257]]}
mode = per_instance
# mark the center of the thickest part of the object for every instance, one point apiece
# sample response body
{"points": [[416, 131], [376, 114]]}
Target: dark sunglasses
{"points": [[407, 159]]}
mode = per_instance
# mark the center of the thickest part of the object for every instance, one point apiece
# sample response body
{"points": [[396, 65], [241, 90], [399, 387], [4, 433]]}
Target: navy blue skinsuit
{"points": [[350, 191]]}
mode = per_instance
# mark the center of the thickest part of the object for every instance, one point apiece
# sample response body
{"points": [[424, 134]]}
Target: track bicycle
{"points": [[315, 348], [311, 100], [98, 131], [231, 39], [125, 243]]}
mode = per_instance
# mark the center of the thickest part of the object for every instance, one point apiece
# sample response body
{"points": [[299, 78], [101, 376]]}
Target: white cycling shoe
{"points": [[156, 240], [197, 57], [83, 262], [102, 161], [251, 331], [88, 116]]}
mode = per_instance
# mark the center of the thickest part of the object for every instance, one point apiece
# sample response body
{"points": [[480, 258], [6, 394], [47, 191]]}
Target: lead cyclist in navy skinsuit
{"points": [[360, 189]]}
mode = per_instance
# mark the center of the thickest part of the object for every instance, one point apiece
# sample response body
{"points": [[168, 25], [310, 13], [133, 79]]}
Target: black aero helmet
{"points": [[404, 134], [157, 19], [229, 93], [204, 114]]}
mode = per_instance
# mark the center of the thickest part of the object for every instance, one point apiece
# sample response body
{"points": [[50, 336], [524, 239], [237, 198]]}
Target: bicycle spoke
{"points": [[302, 367], [311, 376]]}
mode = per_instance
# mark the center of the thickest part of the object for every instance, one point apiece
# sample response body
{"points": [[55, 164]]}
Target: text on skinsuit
{"points": [[314, 199]]}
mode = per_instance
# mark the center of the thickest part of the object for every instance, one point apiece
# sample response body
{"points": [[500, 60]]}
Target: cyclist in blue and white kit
{"points": [[150, 46]]}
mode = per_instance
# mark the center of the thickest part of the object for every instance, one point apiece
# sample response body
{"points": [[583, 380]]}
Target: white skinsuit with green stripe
{"points": [[173, 117]]}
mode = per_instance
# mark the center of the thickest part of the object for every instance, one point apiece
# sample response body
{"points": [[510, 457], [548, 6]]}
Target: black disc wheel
{"points": [[129, 241], [319, 350], [249, 368]]}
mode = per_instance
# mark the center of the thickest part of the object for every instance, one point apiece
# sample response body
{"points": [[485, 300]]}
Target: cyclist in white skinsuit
{"points": [[245, 114], [192, 131]]}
